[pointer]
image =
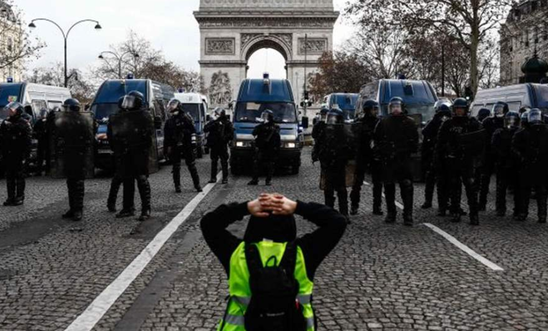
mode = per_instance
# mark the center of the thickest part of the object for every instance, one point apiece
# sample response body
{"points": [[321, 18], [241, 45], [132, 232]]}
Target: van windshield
{"points": [[112, 91], [284, 112], [9, 93], [427, 111], [542, 96], [193, 110], [346, 101]]}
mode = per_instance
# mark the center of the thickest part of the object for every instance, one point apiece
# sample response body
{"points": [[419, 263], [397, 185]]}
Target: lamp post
{"points": [[119, 58], [65, 35]]}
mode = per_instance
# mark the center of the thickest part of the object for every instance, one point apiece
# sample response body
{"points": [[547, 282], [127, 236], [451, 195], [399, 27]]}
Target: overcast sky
{"points": [[168, 24]]}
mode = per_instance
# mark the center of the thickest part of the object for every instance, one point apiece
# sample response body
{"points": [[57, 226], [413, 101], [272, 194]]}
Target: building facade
{"points": [[231, 31], [524, 34]]}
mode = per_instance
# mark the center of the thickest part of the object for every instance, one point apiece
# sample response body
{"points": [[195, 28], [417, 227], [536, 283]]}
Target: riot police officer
{"points": [[73, 137], [396, 138], [334, 154], [531, 147], [483, 113], [267, 147], [506, 163], [459, 142], [179, 142], [432, 174], [317, 132], [41, 135], [490, 124], [16, 137], [364, 128], [220, 134], [131, 134]]}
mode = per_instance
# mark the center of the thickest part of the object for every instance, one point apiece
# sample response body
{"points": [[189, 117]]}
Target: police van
{"points": [[516, 96], [345, 101], [37, 96], [196, 105], [418, 96], [34, 97], [157, 96], [256, 96]]}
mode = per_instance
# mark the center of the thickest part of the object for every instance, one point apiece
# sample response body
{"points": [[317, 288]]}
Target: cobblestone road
{"points": [[380, 277]]}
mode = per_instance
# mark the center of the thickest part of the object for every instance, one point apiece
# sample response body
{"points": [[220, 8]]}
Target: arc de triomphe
{"points": [[232, 30]]}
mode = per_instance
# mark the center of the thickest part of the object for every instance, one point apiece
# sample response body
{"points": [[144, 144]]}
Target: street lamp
{"points": [[65, 35], [119, 58]]}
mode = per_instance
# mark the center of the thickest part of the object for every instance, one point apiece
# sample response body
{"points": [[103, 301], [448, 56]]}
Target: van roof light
{"points": [[130, 76], [10, 80]]}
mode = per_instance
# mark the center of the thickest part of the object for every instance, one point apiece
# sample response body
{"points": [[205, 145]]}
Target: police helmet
{"points": [[460, 103], [525, 118], [219, 112], [267, 116], [174, 105], [43, 113], [524, 109], [370, 107], [14, 109], [72, 105], [535, 117], [134, 100], [500, 109], [483, 113], [511, 120], [335, 116], [396, 106], [442, 105]]}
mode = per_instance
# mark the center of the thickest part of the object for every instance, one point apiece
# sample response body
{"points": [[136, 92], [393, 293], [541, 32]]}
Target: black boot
{"points": [[442, 212], [10, 183], [79, 188], [145, 215], [354, 210], [145, 194], [128, 209], [474, 219], [213, 177], [70, 189], [113, 193], [20, 195], [254, 182], [456, 217], [426, 205], [390, 217], [407, 220], [377, 211], [177, 178]]}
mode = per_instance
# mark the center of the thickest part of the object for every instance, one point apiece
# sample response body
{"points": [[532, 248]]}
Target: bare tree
{"points": [[16, 45], [468, 22]]}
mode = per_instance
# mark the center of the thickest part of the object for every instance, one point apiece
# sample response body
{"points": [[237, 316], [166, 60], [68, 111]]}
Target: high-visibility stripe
{"points": [[242, 300], [310, 322], [304, 299], [235, 319]]}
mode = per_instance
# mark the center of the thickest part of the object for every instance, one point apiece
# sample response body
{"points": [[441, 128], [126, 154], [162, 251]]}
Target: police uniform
{"points": [[267, 146], [220, 133]]}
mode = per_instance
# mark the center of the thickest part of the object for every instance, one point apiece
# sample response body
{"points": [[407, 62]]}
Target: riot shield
{"points": [[350, 175], [131, 131], [71, 144]]}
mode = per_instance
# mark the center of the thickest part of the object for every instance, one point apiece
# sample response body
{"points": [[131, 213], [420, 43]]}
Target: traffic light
{"points": [[469, 93]]}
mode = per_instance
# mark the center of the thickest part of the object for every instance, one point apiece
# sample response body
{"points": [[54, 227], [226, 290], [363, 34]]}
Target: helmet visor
{"points": [[498, 111], [535, 117], [173, 105], [511, 121], [129, 102], [266, 116], [395, 107]]}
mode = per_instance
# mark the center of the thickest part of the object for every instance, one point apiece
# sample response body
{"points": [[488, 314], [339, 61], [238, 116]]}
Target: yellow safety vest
{"points": [[240, 291]]}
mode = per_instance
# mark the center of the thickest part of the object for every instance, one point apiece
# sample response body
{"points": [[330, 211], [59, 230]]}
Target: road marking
{"points": [[464, 248], [97, 309], [457, 243], [399, 205]]}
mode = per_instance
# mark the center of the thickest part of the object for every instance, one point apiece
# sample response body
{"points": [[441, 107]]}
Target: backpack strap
{"points": [[290, 258], [253, 259]]}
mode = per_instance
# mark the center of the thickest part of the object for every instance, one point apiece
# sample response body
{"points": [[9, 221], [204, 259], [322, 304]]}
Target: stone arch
{"points": [[259, 42]]}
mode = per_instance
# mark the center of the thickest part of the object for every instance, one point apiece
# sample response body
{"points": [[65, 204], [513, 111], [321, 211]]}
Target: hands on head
{"points": [[275, 204]]}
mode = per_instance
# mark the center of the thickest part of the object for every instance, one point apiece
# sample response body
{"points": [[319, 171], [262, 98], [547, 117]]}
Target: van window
{"points": [[193, 110], [542, 96], [53, 104], [420, 93], [9, 93], [38, 105], [514, 105]]}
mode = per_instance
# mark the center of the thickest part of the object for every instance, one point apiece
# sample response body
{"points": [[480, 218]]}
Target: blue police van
{"points": [[256, 96], [157, 96], [345, 101]]}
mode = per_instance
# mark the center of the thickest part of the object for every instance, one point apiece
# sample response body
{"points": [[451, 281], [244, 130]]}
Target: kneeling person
{"points": [[262, 296]]}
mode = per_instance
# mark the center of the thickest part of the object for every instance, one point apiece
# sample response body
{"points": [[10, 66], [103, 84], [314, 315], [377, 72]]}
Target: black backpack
{"points": [[274, 289]]}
